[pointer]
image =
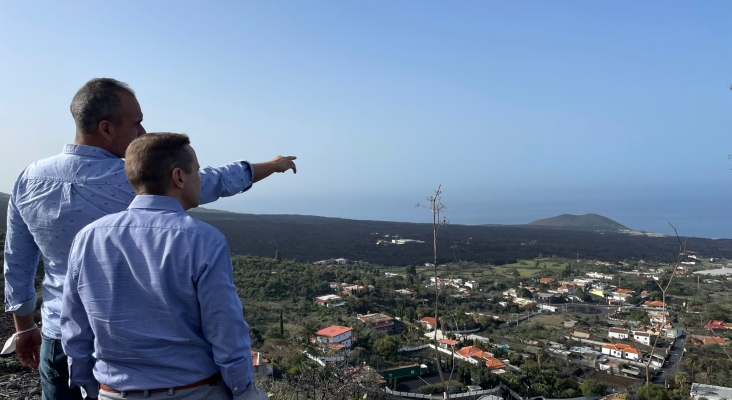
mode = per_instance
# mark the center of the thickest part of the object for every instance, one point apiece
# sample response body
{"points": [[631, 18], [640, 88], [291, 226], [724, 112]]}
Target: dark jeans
{"points": [[54, 369]]}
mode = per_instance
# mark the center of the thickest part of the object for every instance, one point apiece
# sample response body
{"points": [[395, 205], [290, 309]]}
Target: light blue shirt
{"points": [[149, 302], [55, 198]]}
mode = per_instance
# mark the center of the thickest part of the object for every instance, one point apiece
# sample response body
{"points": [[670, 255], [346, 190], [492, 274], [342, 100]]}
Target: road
{"points": [[675, 355]]}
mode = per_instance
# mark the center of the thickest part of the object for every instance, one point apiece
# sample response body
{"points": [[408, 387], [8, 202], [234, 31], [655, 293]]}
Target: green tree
{"points": [[591, 387], [278, 257], [386, 346], [651, 391]]}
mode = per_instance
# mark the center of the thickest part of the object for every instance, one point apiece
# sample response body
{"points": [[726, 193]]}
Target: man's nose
{"points": [[141, 131]]}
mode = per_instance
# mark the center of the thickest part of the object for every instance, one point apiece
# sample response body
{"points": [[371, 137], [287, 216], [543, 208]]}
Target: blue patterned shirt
{"points": [[55, 198], [149, 302]]}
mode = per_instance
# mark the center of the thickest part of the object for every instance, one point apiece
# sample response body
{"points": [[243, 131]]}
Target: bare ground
{"points": [[16, 381]]}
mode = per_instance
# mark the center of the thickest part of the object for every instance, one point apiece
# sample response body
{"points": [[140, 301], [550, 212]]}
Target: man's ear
{"points": [[177, 178], [106, 130]]}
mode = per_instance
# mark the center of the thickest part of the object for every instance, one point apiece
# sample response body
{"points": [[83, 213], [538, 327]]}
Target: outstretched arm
{"points": [[277, 164]]}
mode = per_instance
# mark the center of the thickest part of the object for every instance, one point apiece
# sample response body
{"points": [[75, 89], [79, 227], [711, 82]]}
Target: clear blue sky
{"points": [[521, 110]]}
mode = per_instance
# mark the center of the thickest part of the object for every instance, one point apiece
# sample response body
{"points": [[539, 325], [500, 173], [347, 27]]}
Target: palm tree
{"points": [[710, 367], [693, 363], [682, 380], [539, 356]]}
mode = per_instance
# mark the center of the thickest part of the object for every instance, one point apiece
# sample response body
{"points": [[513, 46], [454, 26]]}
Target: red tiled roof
{"points": [[714, 340], [333, 331], [494, 363], [428, 320], [472, 351], [448, 342]]}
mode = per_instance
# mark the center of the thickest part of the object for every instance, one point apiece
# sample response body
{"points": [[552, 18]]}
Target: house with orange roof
{"points": [[621, 351], [546, 280], [428, 323], [447, 343], [621, 294], [654, 304], [717, 324], [480, 355], [568, 288], [334, 337], [715, 340]]}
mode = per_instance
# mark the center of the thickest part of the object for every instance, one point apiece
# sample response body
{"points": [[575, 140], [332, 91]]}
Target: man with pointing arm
{"points": [[55, 198]]}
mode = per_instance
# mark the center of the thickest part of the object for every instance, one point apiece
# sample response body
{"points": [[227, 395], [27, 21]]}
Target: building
{"points": [[717, 324], [402, 371], [380, 322], [547, 307], [473, 285], [642, 337], [612, 350], [598, 275], [621, 294], [428, 323], [618, 333], [546, 280], [329, 300], [447, 343], [715, 340], [622, 351], [674, 331], [547, 296], [568, 288], [654, 304], [479, 355], [581, 333], [262, 369], [597, 292], [404, 292], [334, 337], [710, 392], [522, 302]]}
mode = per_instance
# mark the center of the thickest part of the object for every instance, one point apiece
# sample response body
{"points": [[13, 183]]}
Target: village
{"points": [[615, 325]]}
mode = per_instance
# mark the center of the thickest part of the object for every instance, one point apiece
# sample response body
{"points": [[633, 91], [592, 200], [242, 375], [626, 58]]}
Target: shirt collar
{"points": [[91, 151], [153, 202]]}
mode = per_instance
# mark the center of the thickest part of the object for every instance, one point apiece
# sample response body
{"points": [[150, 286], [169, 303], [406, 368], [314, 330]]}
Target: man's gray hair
{"points": [[96, 101]]}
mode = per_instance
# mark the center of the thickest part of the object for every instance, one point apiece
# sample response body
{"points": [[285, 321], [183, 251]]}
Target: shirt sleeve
{"points": [[77, 336], [21, 261], [225, 181], [222, 318]]}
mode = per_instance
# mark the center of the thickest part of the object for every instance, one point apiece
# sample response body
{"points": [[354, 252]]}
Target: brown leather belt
{"points": [[208, 381]]}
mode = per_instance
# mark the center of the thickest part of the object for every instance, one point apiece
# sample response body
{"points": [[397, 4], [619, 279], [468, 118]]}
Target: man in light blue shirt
{"points": [[149, 306], [55, 198]]}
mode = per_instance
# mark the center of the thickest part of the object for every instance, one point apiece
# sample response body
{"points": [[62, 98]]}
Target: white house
{"points": [[612, 350], [674, 331], [618, 333], [642, 337], [334, 337], [621, 351], [472, 284], [547, 307]]}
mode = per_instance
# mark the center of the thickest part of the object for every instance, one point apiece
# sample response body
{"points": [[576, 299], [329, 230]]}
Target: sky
{"points": [[520, 110]]}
